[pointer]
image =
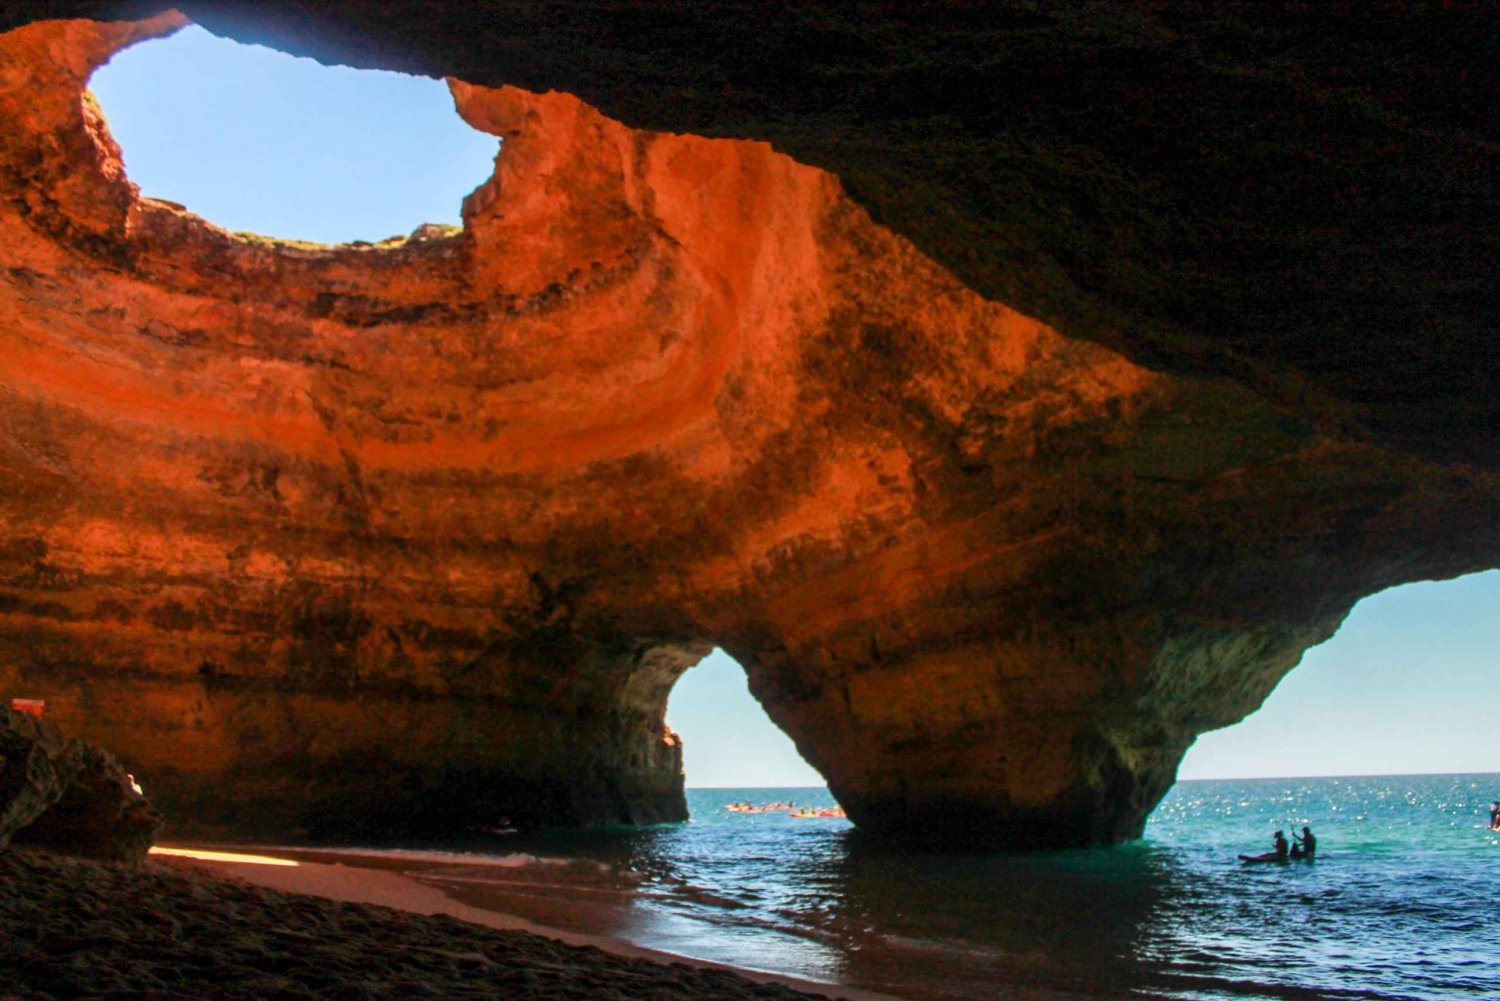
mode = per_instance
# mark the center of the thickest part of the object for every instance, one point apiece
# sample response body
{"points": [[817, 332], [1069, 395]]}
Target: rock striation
{"points": [[381, 538], [1304, 203]]}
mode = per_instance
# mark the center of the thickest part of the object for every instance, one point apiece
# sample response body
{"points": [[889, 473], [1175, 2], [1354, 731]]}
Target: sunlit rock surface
{"points": [[1306, 203], [370, 539]]}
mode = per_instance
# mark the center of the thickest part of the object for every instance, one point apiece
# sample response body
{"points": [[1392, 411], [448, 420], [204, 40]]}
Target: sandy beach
{"points": [[222, 925]]}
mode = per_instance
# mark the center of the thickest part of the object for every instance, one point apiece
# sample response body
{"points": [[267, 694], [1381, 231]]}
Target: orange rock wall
{"points": [[323, 539]]}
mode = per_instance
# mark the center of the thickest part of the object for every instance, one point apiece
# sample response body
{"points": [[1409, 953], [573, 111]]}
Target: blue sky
{"points": [[252, 139], [1408, 684]]}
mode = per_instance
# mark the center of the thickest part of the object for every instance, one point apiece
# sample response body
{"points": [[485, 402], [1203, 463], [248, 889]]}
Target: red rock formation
{"points": [[372, 537], [1305, 203]]}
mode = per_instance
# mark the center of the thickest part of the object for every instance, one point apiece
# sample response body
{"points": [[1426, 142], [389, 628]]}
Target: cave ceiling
{"points": [[1305, 201]]}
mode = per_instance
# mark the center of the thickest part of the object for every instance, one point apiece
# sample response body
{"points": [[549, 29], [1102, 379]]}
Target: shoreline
{"points": [[349, 877], [252, 926]]}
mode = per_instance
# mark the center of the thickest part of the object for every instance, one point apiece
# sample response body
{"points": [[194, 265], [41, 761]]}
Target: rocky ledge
{"points": [[371, 538]]}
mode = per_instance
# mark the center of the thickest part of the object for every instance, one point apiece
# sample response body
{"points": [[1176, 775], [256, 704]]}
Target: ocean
{"points": [[1403, 900]]}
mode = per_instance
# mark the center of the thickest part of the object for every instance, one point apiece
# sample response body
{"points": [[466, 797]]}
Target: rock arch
{"points": [[374, 532]]}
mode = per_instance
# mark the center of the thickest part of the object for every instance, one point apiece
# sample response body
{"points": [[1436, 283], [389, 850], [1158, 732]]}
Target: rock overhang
{"points": [[408, 511], [1302, 203]]}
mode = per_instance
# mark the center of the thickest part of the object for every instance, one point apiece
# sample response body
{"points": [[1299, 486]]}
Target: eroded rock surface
{"points": [[386, 537], [1299, 202]]}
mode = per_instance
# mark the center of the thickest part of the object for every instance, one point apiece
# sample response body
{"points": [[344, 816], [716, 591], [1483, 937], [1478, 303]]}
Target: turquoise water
{"points": [[1402, 902]]}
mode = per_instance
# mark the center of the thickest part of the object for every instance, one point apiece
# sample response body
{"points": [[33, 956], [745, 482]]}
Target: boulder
{"points": [[68, 796], [30, 779]]}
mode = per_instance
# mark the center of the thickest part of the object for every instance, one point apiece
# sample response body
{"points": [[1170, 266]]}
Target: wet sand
{"points": [[229, 928]]}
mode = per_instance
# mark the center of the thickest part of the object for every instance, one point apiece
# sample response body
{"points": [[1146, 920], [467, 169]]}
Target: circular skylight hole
{"points": [[255, 140]]}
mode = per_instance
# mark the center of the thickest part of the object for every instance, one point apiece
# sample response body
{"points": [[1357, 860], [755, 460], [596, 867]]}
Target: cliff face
{"points": [[377, 537]]}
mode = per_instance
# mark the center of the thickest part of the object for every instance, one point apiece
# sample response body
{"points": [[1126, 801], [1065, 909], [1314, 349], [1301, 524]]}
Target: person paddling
{"points": [[1495, 815], [1279, 854], [1306, 844]]}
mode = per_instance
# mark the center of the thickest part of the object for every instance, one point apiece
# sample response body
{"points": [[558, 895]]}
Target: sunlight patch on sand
{"points": [[207, 856]]}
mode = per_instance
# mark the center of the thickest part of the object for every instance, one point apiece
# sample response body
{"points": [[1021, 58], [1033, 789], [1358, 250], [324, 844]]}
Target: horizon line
{"points": [[1347, 775], [1225, 778]]}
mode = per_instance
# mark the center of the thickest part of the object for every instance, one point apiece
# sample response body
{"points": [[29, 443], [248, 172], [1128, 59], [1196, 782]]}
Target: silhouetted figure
{"points": [[1495, 815], [1279, 854], [1307, 844]]}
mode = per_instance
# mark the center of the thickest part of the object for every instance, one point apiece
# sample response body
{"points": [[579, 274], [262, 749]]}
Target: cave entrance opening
{"points": [[264, 143], [1406, 686], [728, 741]]}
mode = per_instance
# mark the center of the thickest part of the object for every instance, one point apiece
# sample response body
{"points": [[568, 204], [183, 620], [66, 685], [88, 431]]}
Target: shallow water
{"points": [[1401, 902]]}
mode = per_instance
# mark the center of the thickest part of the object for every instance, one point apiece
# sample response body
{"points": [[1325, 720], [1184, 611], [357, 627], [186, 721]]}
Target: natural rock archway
{"points": [[372, 537]]}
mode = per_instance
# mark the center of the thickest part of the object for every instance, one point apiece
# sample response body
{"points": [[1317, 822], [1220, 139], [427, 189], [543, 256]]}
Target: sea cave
{"points": [[1010, 436]]}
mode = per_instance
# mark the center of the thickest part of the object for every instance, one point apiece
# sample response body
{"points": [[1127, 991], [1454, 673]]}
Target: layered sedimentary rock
{"points": [[1304, 202], [375, 537]]}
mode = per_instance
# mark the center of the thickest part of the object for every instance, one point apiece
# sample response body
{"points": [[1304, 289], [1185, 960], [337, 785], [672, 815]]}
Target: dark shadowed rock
{"points": [[68, 796], [30, 779]]}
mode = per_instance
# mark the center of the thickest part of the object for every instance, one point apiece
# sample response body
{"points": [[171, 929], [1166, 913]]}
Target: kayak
{"points": [[1273, 857]]}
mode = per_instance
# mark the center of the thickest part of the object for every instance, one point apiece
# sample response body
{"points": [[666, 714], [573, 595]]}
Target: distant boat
{"points": [[799, 812]]}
